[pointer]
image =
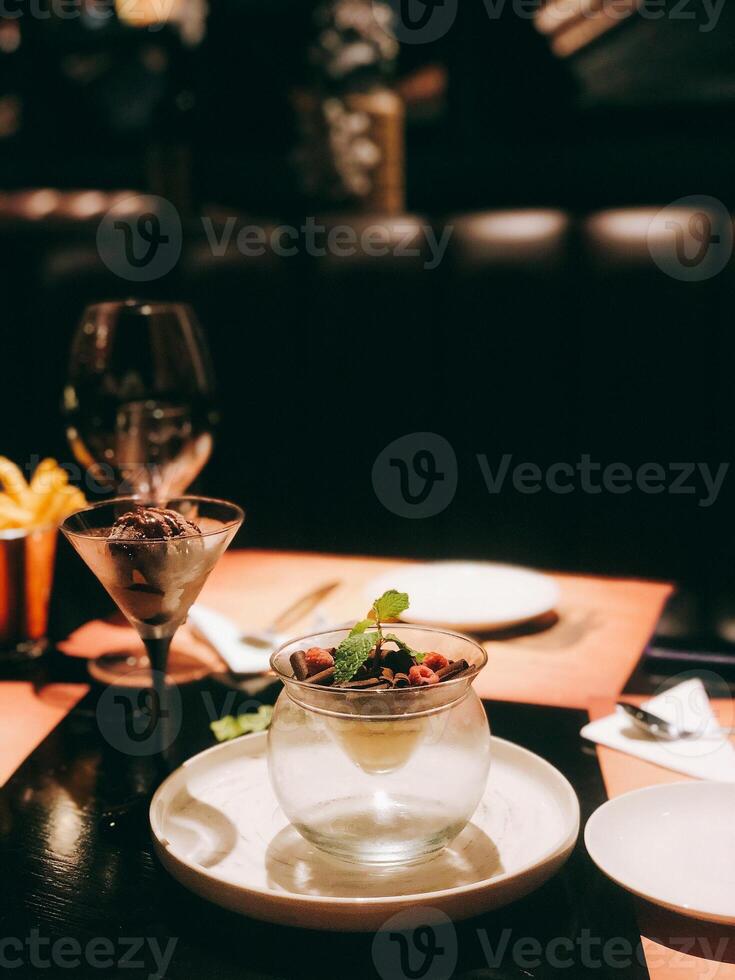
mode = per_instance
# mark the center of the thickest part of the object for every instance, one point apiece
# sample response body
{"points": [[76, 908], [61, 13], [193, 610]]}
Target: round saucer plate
{"points": [[673, 845], [217, 828], [469, 595]]}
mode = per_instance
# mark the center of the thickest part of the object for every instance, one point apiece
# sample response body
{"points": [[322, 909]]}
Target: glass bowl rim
{"points": [[362, 692], [141, 498]]}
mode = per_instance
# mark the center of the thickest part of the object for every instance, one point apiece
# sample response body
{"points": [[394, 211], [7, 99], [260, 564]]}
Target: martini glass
{"points": [[154, 581]]}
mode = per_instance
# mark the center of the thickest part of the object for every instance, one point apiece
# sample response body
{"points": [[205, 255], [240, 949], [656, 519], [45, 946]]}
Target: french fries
{"points": [[48, 499]]}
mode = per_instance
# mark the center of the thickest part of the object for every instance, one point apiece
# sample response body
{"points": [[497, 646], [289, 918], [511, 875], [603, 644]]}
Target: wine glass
{"points": [[154, 580], [139, 396], [139, 417]]}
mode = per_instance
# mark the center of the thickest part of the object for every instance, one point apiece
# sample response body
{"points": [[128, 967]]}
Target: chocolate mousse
{"points": [[152, 523], [159, 563]]}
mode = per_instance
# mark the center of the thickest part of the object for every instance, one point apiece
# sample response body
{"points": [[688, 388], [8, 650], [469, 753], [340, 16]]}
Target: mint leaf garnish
{"points": [[351, 654], [225, 728], [419, 657], [364, 624], [231, 726], [389, 606]]}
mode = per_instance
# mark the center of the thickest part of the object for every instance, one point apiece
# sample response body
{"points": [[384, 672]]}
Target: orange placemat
{"points": [[676, 947], [602, 627], [28, 715], [252, 588]]}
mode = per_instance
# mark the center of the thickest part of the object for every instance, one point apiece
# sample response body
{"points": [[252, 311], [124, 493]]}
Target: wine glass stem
{"points": [[157, 650]]}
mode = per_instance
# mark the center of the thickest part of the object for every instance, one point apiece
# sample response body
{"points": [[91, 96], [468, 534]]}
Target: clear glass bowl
{"points": [[380, 777]]}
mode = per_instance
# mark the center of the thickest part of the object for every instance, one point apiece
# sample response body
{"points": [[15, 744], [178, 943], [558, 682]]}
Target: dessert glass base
{"points": [[132, 668], [382, 830], [380, 778]]}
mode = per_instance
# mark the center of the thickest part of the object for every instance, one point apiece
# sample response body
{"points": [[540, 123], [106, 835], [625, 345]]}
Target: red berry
{"points": [[318, 659], [420, 674], [435, 661]]}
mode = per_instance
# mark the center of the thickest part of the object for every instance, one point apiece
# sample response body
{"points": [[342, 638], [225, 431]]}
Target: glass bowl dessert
{"points": [[388, 766]]}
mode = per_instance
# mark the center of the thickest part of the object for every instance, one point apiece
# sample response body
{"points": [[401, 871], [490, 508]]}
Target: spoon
{"points": [[250, 653], [295, 612], [667, 731]]}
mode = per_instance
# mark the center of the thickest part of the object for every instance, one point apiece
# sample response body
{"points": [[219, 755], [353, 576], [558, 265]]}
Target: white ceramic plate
{"points": [[469, 595], [673, 844], [218, 829]]}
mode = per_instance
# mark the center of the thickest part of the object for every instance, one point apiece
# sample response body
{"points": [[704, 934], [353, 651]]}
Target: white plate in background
{"points": [[469, 595], [673, 845]]}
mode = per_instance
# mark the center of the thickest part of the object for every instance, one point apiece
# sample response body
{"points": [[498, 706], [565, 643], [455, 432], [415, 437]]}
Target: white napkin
{"points": [[225, 636], [709, 756]]}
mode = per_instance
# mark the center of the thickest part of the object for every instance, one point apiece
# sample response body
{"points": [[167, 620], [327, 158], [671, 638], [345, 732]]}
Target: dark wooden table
{"points": [[76, 901]]}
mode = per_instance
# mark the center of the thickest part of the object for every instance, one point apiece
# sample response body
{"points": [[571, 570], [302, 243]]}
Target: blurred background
{"points": [[564, 315]]}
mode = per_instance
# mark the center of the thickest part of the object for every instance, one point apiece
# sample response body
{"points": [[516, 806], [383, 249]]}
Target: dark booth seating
{"points": [[540, 334]]}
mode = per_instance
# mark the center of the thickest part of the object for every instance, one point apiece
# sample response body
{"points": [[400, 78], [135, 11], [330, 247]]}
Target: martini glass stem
{"points": [[157, 650]]}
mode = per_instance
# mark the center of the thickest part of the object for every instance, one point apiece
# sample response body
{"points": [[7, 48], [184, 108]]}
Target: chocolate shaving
{"points": [[299, 664], [452, 670], [323, 677], [367, 682], [401, 680]]}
